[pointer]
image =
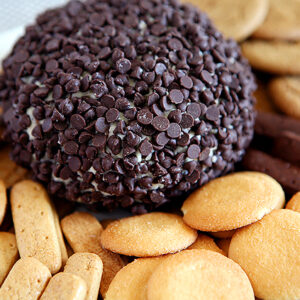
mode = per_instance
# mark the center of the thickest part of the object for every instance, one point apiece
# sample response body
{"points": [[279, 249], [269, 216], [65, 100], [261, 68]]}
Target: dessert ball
{"points": [[127, 103]]}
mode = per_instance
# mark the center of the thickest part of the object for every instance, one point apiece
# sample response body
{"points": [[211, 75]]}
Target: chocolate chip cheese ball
{"points": [[126, 102]]}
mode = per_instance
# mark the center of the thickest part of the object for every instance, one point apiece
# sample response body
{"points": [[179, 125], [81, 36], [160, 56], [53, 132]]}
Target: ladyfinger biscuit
{"points": [[230, 17], [26, 280], [285, 173], [205, 242], [34, 223], [3, 201], [268, 251], [232, 201], [294, 203], [199, 274], [151, 234], [65, 286], [83, 232], [89, 267], [8, 253]]}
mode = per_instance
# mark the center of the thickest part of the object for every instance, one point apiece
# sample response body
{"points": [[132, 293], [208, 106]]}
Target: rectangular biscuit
{"points": [[83, 232], [65, 286], [26, 280], [34, 224], [8, 253], [89, 267], [3, 201]]}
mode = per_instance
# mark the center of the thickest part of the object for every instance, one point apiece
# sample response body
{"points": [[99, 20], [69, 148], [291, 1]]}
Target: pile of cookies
{"points": [[55, 252]]}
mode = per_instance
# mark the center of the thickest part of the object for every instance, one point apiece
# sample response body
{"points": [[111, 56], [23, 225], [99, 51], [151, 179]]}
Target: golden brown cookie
{"points": [[65, 286], [294, 203], [8, 253], [83, 232], [10, 172], [232, 201], [205, 242], [89, 267], [224, 245], [278, 57], [197, 275], [282, 21], [146, 235], [130, 283], [268, 251], [26, 280], [285, 92], [235, 19], [3, 201], [263, 100], [34, 224], [223, 234]]}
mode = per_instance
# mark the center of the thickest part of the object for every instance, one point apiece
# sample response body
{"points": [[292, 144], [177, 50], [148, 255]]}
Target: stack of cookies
{"points": [[269, 33]]}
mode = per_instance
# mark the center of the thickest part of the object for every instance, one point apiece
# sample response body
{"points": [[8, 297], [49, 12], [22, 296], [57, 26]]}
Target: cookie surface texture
{"points": [[151, 234], [277, 57], [197, 275], [268, 251], [232, 201], [294, 203], [235, 19]]}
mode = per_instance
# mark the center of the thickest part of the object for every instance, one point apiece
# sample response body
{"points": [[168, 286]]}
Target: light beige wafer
{"points": [[130, 283], [26, 280], [83, 232], [197, 275], [276, 57], [223, 234], [8, 253], [232, 201], [294, 203], [146, 235], [34, 224], [263, 100], [3, 201], [224, 245], [205, 242], [268, 251], [65, 286], [282, 21], [285, 92], [10, 172], [89, 267], [236, 19]]}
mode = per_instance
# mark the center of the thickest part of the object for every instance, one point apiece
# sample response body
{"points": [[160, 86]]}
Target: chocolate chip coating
{"points": [[126, 103]]}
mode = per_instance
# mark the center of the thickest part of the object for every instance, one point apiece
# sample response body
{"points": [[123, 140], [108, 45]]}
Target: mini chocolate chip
{"points": [[206, 77], [160, 68], [47, 125], [101, 125], [123, 65], [71, 147], [174, 130], [175, 44], [57, 91], [78, 121], [144, 116], [212, 113], [187, 121], [161, 139], [112, 115], [176, 96], [73, 86], [145, 147], [97, 19], [194, 109], [193, 151], [132, 139], [99, 141], [183, 140], [186, 82], [51, 65], [175, 116], [160, 123]]}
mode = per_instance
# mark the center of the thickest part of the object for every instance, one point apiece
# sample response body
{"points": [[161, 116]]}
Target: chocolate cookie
{"points": [[126, 103]]}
